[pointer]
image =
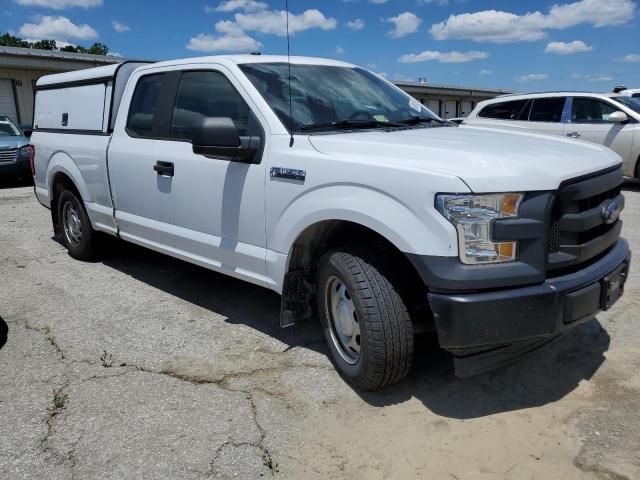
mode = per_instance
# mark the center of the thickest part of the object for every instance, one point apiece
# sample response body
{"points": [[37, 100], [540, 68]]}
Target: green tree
{"points": [[8, 40], [45, 45], [98, 49]]}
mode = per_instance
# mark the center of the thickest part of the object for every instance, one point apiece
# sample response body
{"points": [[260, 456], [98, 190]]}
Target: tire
{"points": [[376, 349], [77, 234]]}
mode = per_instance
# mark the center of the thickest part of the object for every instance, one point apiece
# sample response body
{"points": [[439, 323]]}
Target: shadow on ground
{"points": [[4, 332], [10, 181], [543, 377], [631, 185]]}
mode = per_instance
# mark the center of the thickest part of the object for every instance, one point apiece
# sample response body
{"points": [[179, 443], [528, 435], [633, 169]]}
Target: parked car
{"points": [[14, 150], [627, 92], [332, 187], [593, 117]]}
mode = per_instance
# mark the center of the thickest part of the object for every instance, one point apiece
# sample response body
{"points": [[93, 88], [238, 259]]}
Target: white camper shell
{"points": [[83, 101]]}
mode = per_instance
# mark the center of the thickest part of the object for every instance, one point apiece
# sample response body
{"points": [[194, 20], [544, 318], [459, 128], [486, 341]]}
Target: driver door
{"points": [[212, 210]]}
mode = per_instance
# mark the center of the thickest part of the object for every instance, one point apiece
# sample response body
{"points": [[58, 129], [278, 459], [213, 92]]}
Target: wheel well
{"points": [[60, 183], [298, 295]]}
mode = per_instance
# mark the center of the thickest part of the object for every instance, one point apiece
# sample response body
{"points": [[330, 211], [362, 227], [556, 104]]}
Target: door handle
{"points": [[164, 168], [573, 135]]}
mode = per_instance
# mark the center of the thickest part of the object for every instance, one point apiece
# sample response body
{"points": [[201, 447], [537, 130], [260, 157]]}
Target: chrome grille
{"points": [[579, 230], [8, 156]]}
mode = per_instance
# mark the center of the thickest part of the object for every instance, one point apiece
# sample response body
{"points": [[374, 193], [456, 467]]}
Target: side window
{"points": [[636, 95], [144, 106], [591, 110], [206, 94], [547, 109], [513, 110]]}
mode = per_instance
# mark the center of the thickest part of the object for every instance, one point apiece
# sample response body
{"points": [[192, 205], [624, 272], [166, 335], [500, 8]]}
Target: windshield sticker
{"points": [[416, 105], [381, 118]]}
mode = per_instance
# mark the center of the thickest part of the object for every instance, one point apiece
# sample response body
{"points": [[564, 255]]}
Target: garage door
{"points": [[434, 106], [450, 110], [466, 108], [8, 99]]}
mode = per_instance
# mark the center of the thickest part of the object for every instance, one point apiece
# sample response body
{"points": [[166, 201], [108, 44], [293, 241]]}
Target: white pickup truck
{"points": [[329, 185]]}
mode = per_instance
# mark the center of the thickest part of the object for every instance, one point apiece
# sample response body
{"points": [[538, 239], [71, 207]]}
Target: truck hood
{"points": [[486, 159], [12, 142]]}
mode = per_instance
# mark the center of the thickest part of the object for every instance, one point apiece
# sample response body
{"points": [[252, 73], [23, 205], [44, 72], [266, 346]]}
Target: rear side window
{"points": [[591, 110], [206, 94], [547, 109], [144, 106], [513, 110]]}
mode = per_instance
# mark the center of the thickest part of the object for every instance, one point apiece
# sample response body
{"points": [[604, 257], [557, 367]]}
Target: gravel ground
{"points": [[142, 366]]}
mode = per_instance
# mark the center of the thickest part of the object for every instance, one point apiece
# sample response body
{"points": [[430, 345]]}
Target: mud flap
{"points": [[297, 298]]}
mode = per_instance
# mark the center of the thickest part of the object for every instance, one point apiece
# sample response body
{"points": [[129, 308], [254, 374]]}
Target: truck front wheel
{"points": [[77, 234], [364, 319]]}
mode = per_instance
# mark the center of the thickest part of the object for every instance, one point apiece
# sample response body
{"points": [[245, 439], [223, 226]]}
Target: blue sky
{"points": [[518, 45]]}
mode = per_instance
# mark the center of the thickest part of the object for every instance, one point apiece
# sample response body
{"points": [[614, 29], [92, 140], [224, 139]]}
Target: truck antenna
{"points": [[286, 7]]}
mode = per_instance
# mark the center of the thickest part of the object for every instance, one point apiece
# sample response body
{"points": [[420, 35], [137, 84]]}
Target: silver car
{"points": [[14, 150], [611, 120]]}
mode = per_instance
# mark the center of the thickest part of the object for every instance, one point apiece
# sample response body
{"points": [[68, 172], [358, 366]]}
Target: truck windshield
{"points": [[332, 97], [7, 128]]}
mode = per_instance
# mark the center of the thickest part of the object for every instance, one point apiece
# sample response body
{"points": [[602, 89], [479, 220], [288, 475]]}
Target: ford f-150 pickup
{"points": [[327, 184]]}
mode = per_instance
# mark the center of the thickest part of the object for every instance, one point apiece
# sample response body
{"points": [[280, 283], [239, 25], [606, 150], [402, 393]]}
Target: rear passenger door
{"points": [[546, 115], [131, 159], [212, 210], [590, 122]]}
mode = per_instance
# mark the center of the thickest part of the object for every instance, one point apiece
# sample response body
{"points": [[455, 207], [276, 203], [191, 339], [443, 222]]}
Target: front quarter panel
{"points": [[396, 202]]}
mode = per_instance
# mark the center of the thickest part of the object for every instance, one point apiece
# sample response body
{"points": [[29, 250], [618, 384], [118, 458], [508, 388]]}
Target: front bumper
{"points": [[486, 329], [20, 167]]}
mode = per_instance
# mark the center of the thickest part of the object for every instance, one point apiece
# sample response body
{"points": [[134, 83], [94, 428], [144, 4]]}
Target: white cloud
{"points": [[599, 78], [60, 4], [233, 5], [532, 77], [443, 57], [567, 48], [120, 27], [378, 2], [340, 50], [357, 24], [502, 27], [631, 58], [485, 72], [405, 24], [59, 43], [592, 77], [231, 39], [440, 3], [57, 28], [274, 21], [383, 74]]}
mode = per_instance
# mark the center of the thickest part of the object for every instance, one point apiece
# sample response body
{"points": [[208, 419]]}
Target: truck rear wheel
{"points": [[365, 321], [77, 233]]}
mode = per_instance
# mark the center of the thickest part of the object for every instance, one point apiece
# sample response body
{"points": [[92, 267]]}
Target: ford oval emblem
{"points": [[611, 212]]}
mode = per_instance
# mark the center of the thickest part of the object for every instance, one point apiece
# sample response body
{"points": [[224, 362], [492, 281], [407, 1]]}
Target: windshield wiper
{"points": [[349, 123], [419, 119]]}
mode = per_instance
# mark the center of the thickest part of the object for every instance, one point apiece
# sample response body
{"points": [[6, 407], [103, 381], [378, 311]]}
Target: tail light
{"points": [[32, 156]]}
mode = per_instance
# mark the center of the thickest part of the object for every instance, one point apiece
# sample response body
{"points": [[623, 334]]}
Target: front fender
{"points": [[422, 231]]}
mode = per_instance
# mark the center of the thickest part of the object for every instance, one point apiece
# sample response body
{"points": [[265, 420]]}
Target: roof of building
{"points": [[56, 54], [426, 86]]}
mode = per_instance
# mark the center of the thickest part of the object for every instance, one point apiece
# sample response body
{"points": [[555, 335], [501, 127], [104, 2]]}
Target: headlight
{"points": [[473, 217], [24, 151]]}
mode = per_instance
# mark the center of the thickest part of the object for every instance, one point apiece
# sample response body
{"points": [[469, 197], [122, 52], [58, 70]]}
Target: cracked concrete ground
{"points": [[141, 366]]}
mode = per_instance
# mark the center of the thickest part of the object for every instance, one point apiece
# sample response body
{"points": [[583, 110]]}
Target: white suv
{"points": [[611, 120]]}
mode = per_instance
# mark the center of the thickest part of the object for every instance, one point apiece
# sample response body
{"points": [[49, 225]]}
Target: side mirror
{"points": [[618, 117], [218, 137]]}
